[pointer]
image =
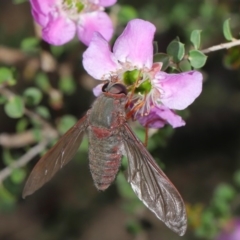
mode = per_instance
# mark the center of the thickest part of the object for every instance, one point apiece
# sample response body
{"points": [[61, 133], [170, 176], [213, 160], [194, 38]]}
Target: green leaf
{"points": [[236, 177], [232, 58], [37, 133], [224, 192], [84, 145], [57, 50], [14, 108], [126, 13], [6, 76], [124, 188], [43, 112], [29, 44], [176, 50], [7, 157], [21, 125], [3, 99], [185, 65], [155, 47], [19, 1], [42, 82], [196, 38], [124, 163], [197, 58], [67, 85], [222, 208], [18, 175], [134, 227], [65, 123], [227, 30], [7, 199], [163, 58], [32, 96], [207, 230]]}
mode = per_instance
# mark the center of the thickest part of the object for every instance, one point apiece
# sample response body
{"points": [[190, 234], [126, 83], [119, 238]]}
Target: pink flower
{"points": [[159, 116], [156, 93], [231, 230], [62, 19]]}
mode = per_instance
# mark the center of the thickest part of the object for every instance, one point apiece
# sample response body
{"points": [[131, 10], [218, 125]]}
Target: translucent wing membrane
{"points": [[151, 185], [57, 157]]}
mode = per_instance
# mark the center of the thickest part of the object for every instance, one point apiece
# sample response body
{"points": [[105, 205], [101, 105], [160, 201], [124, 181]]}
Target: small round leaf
{"points": [[18, 175], [185, 65], [196, 38], [6, 76], [227, 30], [21, 125], [224, 192], [29, 44], [67, 85], [43, 82], [197, 58], [65, 123], [32, 96], [43, 112], [7, 157], [163, 58], [14, 108], [126, 13], [176, 50]]}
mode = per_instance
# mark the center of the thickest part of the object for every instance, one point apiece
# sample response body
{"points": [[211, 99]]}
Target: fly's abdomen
{"points": [[104, 156]]}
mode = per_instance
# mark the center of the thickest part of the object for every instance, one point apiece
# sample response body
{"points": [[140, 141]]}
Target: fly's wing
{"points": [[151, 185], [57, 157]]}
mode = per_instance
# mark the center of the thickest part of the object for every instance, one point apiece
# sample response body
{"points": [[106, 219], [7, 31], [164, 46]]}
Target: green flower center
{"points": [[144, 88], [130, 77], [136, 77], [77, 5]]}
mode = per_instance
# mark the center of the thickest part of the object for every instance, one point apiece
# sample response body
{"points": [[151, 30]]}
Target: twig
{"points": [[11, 56], [18, 140], [22, 161], [221, 46]]}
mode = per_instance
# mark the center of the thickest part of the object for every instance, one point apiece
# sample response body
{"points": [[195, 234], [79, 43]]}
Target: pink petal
{"points": [[98, 89], [231, 230], [106, 3], [98, 60], [179, 90], [40, 18], [135, 44], [159, 116], [59, 31], [43, 6], [94, 22]]}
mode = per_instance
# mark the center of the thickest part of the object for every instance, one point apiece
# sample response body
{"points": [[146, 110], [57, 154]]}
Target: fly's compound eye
{"points": [[105, 86], [118, 89]]}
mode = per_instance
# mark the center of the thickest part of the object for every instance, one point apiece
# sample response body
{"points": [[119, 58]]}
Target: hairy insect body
{"points": [[110, 137], [104, 142]]}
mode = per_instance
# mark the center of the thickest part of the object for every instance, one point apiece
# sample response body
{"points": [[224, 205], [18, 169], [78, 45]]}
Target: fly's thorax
{"points": [[108, 111]]}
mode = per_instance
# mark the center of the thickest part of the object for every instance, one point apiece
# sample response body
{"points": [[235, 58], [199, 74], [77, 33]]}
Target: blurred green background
{"points": [[202, 159]]}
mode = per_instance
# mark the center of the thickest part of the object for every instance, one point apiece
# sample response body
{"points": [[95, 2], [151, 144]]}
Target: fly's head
{"points": [[115, 90], [118, 92]]}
